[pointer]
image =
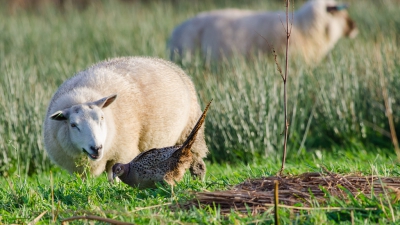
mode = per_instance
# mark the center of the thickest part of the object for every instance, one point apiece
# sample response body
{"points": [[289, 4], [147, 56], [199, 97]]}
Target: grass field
{"points": [[336, 109], [64, 196]]}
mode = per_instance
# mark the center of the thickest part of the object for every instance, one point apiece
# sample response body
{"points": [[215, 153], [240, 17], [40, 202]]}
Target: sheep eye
{"points": [[102, 117], [73, 124]]}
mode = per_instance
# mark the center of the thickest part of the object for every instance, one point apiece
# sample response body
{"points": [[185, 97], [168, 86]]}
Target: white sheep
{"points": [[157, 106], [317, 26]]}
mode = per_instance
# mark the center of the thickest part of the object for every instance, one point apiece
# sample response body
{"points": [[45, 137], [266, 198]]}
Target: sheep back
{"points": [[223, 33]]}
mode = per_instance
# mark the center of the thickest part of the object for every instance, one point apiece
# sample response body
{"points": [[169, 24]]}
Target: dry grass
{"points": [[306, 189]]}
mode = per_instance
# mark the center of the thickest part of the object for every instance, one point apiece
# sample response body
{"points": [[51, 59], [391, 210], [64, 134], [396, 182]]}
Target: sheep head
{"points": [[87, 126], [343, 19]]}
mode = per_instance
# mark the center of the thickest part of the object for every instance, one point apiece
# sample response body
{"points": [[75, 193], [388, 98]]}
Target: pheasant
{"points": [[159, 164]]}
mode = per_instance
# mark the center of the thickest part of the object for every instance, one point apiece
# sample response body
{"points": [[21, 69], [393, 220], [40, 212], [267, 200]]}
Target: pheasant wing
{"points": [[156, 155]]}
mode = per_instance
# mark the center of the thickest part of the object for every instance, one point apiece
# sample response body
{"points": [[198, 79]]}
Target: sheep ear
{"points": [[60, 115], [104, 102], [336, 8]]}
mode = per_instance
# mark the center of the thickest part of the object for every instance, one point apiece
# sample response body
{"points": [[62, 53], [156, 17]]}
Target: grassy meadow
{"points": [[337, 113]]}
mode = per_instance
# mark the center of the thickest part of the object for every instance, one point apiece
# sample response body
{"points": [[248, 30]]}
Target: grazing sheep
{"points": [[317, 26], [157, 106]]}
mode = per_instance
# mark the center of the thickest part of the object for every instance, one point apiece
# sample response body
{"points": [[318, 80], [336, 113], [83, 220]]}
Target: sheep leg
{"points": [[198, 169], [199, 149], [109, 172]]}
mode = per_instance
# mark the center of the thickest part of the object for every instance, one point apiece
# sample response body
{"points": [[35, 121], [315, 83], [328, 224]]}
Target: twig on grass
{"points": [[150, 207], [320, 208], [115, 212], [34, 221], [98, 218]]}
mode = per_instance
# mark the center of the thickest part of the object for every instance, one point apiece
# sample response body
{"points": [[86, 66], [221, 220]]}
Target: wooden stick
{"points": [[33, 222], [98, 218], [276, 201]]}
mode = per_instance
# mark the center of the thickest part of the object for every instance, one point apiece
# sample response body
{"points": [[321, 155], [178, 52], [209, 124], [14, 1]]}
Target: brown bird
{"points": [[159, 164]]}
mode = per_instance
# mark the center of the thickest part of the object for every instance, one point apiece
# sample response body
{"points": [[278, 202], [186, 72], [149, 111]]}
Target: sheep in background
{"points": [[87, 124], [317, 26]]}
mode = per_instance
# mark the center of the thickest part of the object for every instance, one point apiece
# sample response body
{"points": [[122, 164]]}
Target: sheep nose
{"points": [[96, 149]]}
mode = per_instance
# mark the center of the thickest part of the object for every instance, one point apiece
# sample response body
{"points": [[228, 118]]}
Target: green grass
{"points": [[340, 99], [62, 195]]}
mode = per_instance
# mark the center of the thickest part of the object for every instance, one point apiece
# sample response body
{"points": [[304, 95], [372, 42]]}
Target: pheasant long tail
{"points": [[192, 136]]}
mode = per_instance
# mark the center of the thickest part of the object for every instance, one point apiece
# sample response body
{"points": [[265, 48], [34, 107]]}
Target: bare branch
{"points": [[283, 26], [33, 222], [275, 56], [285, 89], [291, 22]]}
